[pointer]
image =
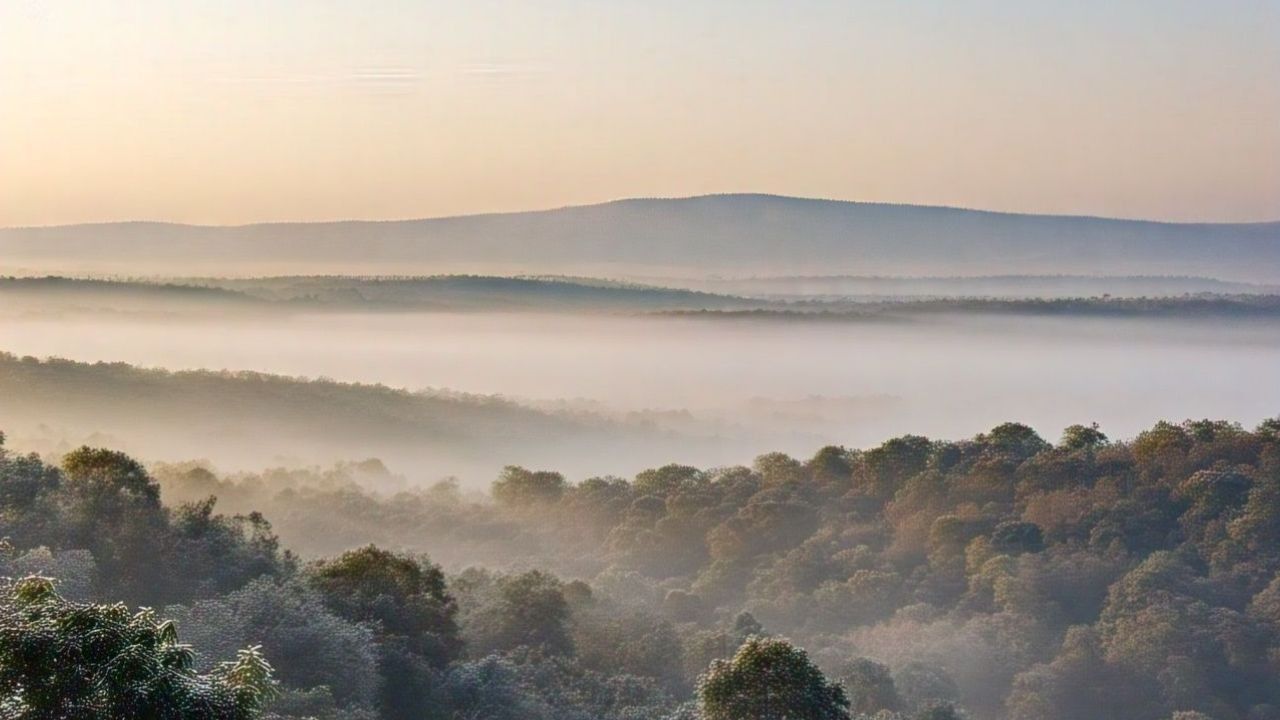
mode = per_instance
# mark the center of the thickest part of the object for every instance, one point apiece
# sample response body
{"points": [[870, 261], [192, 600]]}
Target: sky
{"points": [[232, 111]]}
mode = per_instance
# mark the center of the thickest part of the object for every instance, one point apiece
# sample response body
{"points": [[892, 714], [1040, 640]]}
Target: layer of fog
{"points": [[755, 385]]}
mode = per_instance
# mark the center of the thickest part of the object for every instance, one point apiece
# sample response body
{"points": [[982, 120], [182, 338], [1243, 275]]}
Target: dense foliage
{"points": [[61, 659], [997, 577], [768, 679]]}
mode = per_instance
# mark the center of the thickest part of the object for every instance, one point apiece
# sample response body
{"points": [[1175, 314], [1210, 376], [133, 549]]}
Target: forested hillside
{"points": [[1002, 576], [440, 293], [167, 413], [271, 296], [991, 286], [472, 292], [1221, 307]]}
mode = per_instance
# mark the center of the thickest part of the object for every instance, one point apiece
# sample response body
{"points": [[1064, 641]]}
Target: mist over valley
{"points": [[594, 377], [568, 360]]}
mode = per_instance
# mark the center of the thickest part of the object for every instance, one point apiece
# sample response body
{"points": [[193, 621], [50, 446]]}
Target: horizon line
{"points": [[644, 198]]}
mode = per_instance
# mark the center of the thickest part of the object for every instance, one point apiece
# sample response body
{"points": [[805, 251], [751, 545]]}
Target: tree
{"points": [[920, 685], [890, 464], [1014, 538], [408, 603], [769, 679], [60, 659], [762, 527], [831, 464], [535, 613], [667, 480], [112, 481], [489, 688], [1076, 685], [1269, 428], [682, 607], [619, 642], [777, 468], [745, 625], [221, 553], [113, 509], [518, 487], [406, 597], [28, 498], [1163, 439], [1014, 438], [870, 687], [1082, 437], [289, 620]]}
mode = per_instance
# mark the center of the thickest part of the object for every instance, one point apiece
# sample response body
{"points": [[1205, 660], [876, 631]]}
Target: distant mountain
{"points": [[693, 237]]}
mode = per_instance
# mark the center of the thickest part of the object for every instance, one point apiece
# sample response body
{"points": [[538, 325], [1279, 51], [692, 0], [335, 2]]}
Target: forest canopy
{"points": [[1004, 576]]}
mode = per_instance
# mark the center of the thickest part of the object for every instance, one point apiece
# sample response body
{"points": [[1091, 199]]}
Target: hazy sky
{"points": [[226, 111]]}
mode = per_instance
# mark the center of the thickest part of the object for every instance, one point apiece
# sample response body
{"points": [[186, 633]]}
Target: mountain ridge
{"points": [[652, 199], [698, 236]]}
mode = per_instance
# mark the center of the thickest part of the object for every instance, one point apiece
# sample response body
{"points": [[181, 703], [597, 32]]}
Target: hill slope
{"points": [[251, 419], [442, 293], [724, 234]]}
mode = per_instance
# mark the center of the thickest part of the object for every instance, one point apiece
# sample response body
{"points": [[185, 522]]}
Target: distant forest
{"points": [[1225, 307], [167, 411], [992, 286], [454, 293], [1003, 576]]}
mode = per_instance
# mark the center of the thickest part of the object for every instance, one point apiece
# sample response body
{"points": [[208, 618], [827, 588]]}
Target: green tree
{"points": [[289, 620], [919, 685], [870, 687], [407, 601], [769, 679], [1076, 685], [528, 610], [667, 480], [1082, 437], [60, 659], [518, 487], [404, 596], [220, 553], [777, 468], [28, 499], [1014, 438], [886, 467], [1015, 537], [831, 464], [113, 509]]}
